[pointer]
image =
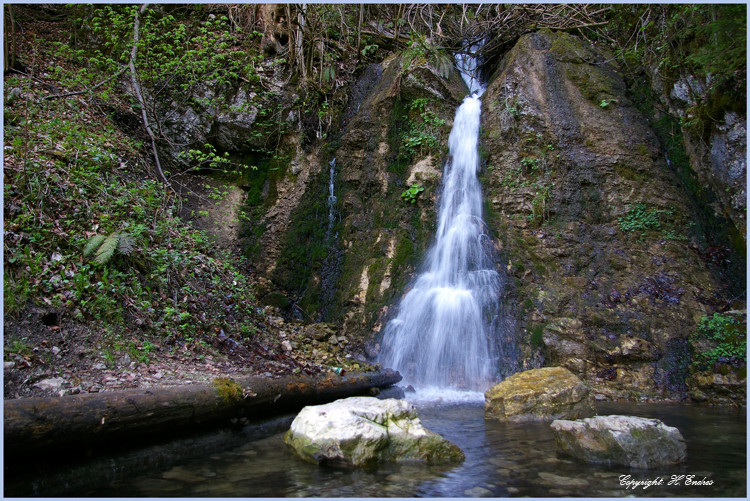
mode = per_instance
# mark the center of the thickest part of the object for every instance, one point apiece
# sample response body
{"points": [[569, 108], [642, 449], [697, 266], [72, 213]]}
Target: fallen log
{"points": [[36, 424]]}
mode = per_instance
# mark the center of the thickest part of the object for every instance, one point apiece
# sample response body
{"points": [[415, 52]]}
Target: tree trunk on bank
{"points": [[38, 424]]}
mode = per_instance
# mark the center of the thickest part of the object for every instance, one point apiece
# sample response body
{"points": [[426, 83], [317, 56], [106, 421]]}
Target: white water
{"points": [[331, 198], [441, 340]]}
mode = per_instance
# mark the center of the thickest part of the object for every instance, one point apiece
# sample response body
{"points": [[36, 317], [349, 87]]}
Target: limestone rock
{"points": [[623, 440], [565, 147], [537, 395], [563, 340], [320, 331], [366, 430]]}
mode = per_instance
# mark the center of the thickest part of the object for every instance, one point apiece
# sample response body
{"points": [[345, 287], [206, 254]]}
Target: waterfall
{"points": [[443, 335], [331, 199]]}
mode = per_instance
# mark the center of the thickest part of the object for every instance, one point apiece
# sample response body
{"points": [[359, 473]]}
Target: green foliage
{"points": [[539, 204], [411, 194], [70, 172], [423, 130], [105, 246], [209, 160], [370, 49], [420, 50], [696, 39], [640, 218], [531, 163], [512, 107], [729, 335]]}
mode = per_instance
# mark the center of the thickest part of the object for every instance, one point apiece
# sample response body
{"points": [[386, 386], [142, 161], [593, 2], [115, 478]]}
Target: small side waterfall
{"points": [[331, 199], [443, 336]]}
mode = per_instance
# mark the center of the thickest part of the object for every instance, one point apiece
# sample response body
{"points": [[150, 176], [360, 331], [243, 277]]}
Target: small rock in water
{"points": [[182, 475], [157, 486], [559, 480], [478, 492], [631, 441]]}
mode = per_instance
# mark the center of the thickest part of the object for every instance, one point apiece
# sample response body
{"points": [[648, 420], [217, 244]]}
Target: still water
{"points": [[502, 460]]}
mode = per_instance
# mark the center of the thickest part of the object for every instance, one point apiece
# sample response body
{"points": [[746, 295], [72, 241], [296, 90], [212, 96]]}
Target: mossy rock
{"points": [[360, 431], [621, 440], [538, 395]]}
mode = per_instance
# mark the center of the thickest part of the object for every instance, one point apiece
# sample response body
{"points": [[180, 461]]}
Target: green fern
{"points": [[444, 64], [107, 250], [94, 243], [105, 246], [126, 243]]}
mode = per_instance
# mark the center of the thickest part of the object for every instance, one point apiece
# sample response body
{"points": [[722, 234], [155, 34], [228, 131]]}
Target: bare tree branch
{"points": [[139, 93]]}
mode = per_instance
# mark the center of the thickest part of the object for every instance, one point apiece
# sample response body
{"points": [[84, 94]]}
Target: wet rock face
{"points": [[593, 223], [539, 395], [718, 157], [365, 430], [384, 237], [620, 440]]}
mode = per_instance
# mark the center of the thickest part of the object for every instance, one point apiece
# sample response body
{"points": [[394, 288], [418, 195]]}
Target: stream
{"points": [[502, 460], [444, 342]]}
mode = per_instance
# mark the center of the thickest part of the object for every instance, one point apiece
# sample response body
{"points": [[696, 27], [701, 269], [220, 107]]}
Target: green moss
{"points": [[594, 84], [568, 48], [536, 339], [260, 186], [707, 223], [629, 172], [228, 389], [305, 248]]}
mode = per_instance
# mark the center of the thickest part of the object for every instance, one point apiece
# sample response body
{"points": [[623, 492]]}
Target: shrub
{"points": [[729, 335]]}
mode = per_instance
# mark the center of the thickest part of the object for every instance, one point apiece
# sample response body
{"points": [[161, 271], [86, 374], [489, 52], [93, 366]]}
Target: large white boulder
{"points": [[363, 430], [620, 440]]}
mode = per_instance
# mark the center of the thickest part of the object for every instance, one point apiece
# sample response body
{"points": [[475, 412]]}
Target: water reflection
{"points": [[502, 460]]}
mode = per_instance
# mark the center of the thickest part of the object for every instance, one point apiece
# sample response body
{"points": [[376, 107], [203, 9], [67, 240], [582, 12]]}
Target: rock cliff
{"points": [[594, 224]]}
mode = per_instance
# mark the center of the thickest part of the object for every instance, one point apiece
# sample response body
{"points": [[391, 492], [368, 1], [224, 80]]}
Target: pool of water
{"points": [[502, 460]]}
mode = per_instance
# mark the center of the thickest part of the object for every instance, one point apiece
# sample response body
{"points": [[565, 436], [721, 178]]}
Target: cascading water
{"points": [[331, 199], [443, 336], [331, 265]]}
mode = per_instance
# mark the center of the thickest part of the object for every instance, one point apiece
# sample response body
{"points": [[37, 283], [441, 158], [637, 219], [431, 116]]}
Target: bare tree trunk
{"points": [[139, 93], [300, 42], [33, 425], [359, 30], [10, 54]]}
